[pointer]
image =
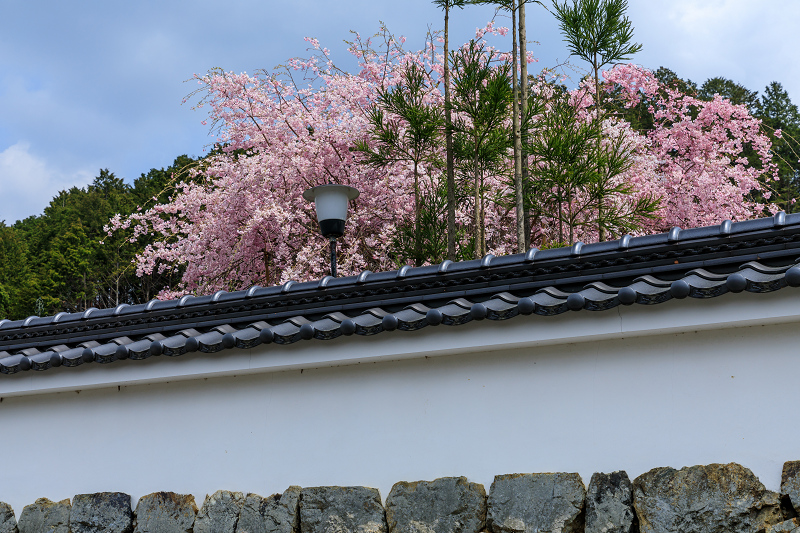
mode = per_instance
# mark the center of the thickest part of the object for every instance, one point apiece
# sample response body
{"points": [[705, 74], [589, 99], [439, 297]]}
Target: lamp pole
{"points": [[333, 256], [331, 203]]}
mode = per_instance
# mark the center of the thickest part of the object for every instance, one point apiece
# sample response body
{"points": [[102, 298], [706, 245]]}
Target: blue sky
{"points": [[93, 84]]}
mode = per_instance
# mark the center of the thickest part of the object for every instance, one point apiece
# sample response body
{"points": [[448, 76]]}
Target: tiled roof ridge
{"points": [[534, 272], [549, 301]]}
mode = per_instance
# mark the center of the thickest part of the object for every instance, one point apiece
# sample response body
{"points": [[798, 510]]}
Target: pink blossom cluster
{"points": [[242, 220], [697, 146], [491, 30]]}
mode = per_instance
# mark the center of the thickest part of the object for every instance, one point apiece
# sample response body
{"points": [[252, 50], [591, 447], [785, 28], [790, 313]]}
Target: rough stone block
{"points": [[609, 504], [280, 513], [165, 512], [704, 499], [341, 510], [788, 526], [445, 505], [102, 512], [45, 515], [8, 524], [790, 483], [220, 512], [542, 503]]}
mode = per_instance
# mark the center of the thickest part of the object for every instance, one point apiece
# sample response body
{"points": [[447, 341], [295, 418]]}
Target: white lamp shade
{"points": [[331, 203]]}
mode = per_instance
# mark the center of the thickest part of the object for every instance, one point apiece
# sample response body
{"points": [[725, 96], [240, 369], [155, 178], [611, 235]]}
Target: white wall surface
{"points": [[632, 400]]}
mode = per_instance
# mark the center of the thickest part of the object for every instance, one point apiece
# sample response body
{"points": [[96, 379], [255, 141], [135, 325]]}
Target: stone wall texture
{"points": [[445, 505], [704, 499], [44, 515], [341, 509], [545, 503], [712, 498], [165, 512], [609, 504]]}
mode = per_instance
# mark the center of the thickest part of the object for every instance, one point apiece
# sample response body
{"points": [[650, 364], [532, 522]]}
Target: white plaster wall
{"points": [[615, 402]]}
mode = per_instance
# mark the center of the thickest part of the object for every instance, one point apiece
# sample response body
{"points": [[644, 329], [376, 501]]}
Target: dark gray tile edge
{"points": [[648, 290]]}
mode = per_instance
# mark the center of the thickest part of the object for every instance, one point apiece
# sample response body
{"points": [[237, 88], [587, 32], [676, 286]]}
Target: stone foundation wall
{"points": [[709, 499]]}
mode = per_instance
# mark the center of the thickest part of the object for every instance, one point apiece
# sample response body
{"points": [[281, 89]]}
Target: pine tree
{"points": [[598, 32], [781, 121]]}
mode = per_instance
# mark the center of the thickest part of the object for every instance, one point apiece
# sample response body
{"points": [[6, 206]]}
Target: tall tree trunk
{"points": [[560, 219], [116, 283], [478, 194], [484, 248], [448, 133], [523, 55], [418, 259], [571, 217], [601, 232], [520, 210]]}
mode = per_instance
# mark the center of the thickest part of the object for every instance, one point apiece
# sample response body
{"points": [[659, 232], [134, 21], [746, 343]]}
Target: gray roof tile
{"points": [[754, 256]]}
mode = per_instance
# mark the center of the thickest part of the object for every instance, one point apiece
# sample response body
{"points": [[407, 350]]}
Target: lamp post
{"points": [[331, 202]]}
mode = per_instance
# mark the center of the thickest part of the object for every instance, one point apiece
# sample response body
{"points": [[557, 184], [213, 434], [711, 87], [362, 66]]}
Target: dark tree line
{"points": [[62, 260]]}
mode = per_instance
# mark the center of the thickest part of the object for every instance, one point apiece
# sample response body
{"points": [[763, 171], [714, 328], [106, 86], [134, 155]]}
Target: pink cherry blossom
{"points": [[241, 220]]}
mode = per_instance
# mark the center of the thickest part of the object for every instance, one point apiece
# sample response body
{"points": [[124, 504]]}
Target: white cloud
{"points": [[752, 43], [28, 183]]}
